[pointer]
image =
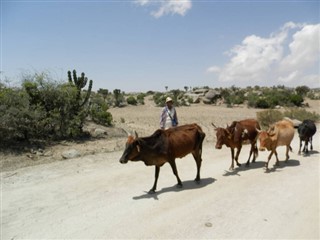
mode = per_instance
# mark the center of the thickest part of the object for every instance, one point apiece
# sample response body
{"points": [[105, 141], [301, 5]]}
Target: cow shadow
{"points": [[187, 185], [283, 164], [243, 168], [309, 153]]}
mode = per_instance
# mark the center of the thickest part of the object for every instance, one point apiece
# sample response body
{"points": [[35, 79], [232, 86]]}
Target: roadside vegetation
{"points": [[43, 109]]}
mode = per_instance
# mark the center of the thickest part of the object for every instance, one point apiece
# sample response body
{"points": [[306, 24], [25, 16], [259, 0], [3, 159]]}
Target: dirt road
{"points": [[97, 197]]}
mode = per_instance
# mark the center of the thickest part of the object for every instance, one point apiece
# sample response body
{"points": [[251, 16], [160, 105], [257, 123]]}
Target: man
{"points": [[168, 116]]}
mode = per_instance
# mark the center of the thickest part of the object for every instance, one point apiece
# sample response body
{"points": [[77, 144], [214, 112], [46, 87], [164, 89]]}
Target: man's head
{"points": [[169, 102]]}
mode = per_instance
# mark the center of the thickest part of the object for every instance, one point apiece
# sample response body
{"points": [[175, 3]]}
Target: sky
{"points": [[143, 45]]}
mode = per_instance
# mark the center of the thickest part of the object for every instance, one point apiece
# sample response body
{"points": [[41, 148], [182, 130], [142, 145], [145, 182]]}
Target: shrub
{"points": [[140, 98], [301, 114], [131, 100], [267, 117], [98, 111]]}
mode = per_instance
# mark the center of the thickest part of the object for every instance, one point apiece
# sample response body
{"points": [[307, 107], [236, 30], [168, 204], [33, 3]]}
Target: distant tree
{"points": [[302, 90], [166, 87], [117, 97], [186, 88], [103, 92]]}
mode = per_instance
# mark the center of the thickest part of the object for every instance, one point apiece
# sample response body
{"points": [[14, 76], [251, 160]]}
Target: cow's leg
{"points": [[277, 159], [237, 156], [251, 151], [175, 172], [232, 157], [287, 153], [156, 176], [267, 163], [300, 147], [255, 152], [198, 159], [306, 145], [311, 147]]}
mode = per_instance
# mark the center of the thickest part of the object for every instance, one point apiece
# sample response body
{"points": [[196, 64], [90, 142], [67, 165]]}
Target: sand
{"points": [[96, 197]]}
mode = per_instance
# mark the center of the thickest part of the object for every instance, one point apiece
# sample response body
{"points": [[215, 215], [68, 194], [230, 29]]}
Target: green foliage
{"points": [[99, 110], [302, 90], [159, 99], [301, 114], [140, 98], [267, 117], [47, 110], [296, 99], [118, 97], [103, 92], [79, 83], [131, 100]]}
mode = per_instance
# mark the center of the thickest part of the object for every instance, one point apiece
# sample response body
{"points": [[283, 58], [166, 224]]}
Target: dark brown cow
{"points": [[165, 146], [234, 135], [280, 134]]}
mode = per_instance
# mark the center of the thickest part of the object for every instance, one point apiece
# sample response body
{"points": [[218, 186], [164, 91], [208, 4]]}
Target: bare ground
{"points": [[94, 196]]}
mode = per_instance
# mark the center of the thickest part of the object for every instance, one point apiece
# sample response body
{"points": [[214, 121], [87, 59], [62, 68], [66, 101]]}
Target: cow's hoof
{"points": [[179, 185], [152, 191], [238, 164], [197, 181], [247, 164]]}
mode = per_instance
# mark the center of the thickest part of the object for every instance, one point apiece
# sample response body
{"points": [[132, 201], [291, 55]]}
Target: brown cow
{"points": [[234, 135], [280, 134], [165, 146]]}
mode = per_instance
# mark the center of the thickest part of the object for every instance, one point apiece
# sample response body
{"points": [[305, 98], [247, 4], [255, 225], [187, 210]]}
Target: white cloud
{"points": [[259, 59], [165, 7], [142, 2], [214, 69], [304, 49]]}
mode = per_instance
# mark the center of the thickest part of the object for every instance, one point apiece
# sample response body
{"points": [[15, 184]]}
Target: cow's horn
{"points": [[258, 130], [213, 125], [136, 134]]}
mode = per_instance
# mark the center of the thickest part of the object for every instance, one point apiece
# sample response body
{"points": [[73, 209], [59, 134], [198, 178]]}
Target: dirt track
{"points": [[97, 197]]}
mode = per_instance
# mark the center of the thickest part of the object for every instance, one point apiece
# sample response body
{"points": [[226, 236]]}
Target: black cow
{"points": [[306, 130]]}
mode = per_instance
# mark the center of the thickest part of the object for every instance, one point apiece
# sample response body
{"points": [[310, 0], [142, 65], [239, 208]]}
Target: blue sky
{"points": [[147, 45]]}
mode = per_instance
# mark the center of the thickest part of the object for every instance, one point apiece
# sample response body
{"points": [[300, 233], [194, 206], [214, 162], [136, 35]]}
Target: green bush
{"points": [[99, 111], [131, 100], [43, 110], [140, 98], [301, 114], [267, 117]]}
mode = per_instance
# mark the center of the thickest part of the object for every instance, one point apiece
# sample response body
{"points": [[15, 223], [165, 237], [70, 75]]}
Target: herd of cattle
{"points": [[167, 145]]}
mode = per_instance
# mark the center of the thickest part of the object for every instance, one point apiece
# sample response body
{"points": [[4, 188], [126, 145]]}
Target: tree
{"points": [[302, 90], [103, 92], [117, 97]]}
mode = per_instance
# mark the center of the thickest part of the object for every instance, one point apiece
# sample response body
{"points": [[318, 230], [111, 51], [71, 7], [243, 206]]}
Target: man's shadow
{"points": [[187, 185]]}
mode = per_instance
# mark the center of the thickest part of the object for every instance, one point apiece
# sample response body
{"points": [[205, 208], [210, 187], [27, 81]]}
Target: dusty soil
{"points": [[94, 196]]}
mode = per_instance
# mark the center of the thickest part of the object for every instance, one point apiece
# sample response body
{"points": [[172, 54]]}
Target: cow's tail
{"points": [[201, 136], [290, 148]]}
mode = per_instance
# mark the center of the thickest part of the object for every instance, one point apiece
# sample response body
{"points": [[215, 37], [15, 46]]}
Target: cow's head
{"points": [[265, 139], [132, 149], [222, 135]]}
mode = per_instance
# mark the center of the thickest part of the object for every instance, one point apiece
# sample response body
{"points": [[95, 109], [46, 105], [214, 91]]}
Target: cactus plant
{"points": [[79, 83]]}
